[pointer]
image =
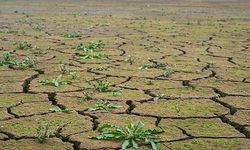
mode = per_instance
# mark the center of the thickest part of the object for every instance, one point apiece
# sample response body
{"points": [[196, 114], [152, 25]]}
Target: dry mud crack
{"points": [[182, 66]]}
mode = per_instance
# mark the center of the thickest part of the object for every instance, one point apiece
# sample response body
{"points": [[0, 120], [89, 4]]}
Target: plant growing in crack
{"points": [[147, 66], [55, 82], [157, 97], [130, 59], [91, 46], [104, 105], [101, 85], [166, 72], [131, 135], [87, 96], [115, 93], [23, 45], [22, 64], [102, 68], [72, 35], [58, 109], [43, 131], [90, 56], [65, 70], [7, 60]]}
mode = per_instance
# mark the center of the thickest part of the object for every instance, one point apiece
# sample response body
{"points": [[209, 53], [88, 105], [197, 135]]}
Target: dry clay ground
{"points": [[203, 103]]}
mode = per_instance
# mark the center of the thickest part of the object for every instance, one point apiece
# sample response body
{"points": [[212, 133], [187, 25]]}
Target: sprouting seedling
{"points": [[26, 63], [116, 93], [166, 72], [130, 60], [8, 31], [71, 35], [7, 60], [91, 56], [64, 69], [91, 46], [157, 97], [87, 96], [23, 45], [147, 66], [131, 135], [57, 109], [104, 105], [37, 51], [22, 64], [55, 82], [43, 131], [101, 85], [102, 68]]}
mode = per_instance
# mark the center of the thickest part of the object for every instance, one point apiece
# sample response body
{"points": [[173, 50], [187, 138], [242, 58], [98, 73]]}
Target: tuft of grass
{"points": [[166, 72], [102, 68], [101, 85], [147, 66], [57, 109], [8, 31], [72, 35], [130, 59], [91, 56], [116, 93], [91, 46], [22, 64], [23, 45], [7, 60], [37, 51], [104, 105], [87, 96], [43, 131], [131, 135], [55, 82]]}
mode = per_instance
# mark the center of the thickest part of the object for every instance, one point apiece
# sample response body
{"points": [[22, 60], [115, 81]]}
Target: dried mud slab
{"points": [[26, 127], [188, 108], [50, 144], [204, 144]]}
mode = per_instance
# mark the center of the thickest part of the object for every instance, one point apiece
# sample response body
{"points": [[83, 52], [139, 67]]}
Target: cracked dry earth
{"points": [[204, 103]]}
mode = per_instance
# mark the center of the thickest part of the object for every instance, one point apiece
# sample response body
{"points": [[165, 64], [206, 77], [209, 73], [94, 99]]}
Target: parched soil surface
{"points": [[196, 88]]}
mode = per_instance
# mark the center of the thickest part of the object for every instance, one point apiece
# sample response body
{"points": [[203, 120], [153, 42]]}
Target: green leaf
{"points": [[135, 145], [125, 144], [154, 146]]}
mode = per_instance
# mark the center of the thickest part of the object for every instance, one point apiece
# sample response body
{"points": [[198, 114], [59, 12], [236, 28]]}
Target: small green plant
{"points": [[57, 109], [101, 85], [91, 56], [157, 97], [75, 14], [71, 35], [116, 93], [104, 105], [131, 135], [130, 59], [37, 51], [55, 82], [64, 69], [7, 60], [8, 31], [23, 45], [102, 68], [166, 72], [87, 96], [26, 63], [23, 64], [91, 46], [43, 131], [147, 66]]}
